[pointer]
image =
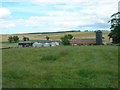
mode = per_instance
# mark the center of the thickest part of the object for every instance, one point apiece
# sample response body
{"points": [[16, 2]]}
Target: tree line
{"points": [[16, 39], [65, 39]]}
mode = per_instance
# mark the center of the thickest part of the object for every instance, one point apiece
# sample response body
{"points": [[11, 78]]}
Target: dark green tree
{"points": [[47, 38], [15, 38], [66, 39], [25, 38], [10, 39], [115, 28], [69, 36]]}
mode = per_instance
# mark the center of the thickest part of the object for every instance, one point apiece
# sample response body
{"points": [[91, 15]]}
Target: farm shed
{"points": [[99, 40], [36, 44], [74, 42], [40, 43], [55, 43], [25, 44], [47, 43]]}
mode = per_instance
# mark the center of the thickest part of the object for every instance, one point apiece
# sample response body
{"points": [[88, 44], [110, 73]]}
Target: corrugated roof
{"points": [[83, 40], [26, 42], [46, 41], [40, 41]]}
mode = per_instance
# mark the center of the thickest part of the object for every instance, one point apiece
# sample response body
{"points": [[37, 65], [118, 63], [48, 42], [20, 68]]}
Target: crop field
{"points": [[60, 67], [53, 36]]}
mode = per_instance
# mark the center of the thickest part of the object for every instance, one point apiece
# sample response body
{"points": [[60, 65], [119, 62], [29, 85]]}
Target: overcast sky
{"points": [[26, 16]]}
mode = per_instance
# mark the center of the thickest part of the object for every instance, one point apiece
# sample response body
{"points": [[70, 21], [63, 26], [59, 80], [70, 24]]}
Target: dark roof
{"points": [[83, 40], [46, 41], [40, 41], [26, 42]]}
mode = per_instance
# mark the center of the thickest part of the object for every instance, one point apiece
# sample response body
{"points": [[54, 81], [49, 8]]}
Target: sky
{"points": [[28, 16]]}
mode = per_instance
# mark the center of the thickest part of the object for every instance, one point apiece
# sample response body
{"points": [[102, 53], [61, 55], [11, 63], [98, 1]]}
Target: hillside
{"points": [[53, 36]]}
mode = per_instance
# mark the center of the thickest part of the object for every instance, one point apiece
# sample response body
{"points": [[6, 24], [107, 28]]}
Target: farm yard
{"points": [[61, 67], [53, 36], [59, 44]]}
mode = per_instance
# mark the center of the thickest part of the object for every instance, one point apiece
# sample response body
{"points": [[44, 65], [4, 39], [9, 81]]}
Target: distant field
{"points": [[61, 67], [54, 36]]}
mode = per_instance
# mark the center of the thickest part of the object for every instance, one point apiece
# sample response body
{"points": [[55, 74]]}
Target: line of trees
{"points": [[13, 39], [65, 40], [16, 39]]}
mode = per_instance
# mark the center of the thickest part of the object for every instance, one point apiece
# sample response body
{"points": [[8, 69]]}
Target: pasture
{"points": [[61, 67], [53, 36]]}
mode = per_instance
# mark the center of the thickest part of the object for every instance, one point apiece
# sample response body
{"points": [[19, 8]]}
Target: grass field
{"points": [[61, 67], [53, 36]]}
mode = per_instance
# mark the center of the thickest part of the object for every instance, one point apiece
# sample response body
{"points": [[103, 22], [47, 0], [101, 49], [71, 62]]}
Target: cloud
{"points": [[75, 3], [6, 24], [4, 13], [57, 15], [14, 0]]}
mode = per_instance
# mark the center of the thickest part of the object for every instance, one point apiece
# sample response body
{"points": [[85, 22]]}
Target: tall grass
{"points": [[61, 67]]}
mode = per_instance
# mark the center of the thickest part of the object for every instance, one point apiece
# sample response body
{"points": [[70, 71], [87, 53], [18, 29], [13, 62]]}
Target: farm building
{"points": [[98, 41], [40, 43], [75, 42], [25, 44]]}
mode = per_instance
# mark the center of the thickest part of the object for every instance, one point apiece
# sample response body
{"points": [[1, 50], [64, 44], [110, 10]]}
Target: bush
{"points": [[65, 41], [66, 38]]}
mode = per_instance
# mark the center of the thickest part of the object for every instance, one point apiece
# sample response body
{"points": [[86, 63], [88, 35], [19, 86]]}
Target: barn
{"points": [[75, 42], [97, 41]]}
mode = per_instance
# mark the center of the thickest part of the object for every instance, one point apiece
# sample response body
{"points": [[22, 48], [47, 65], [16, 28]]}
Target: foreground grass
{"points": [[61, 67]]}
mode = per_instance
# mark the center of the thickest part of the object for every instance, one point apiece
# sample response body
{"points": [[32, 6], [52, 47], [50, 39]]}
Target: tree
{"points": [[15, 38], [65, 41], [10, 39], [47, 37], [66, 38], [115, 28], [25, 38], [69, 36]]}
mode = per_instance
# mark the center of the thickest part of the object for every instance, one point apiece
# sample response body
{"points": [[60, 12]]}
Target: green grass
{"points": [[61, 67]]}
